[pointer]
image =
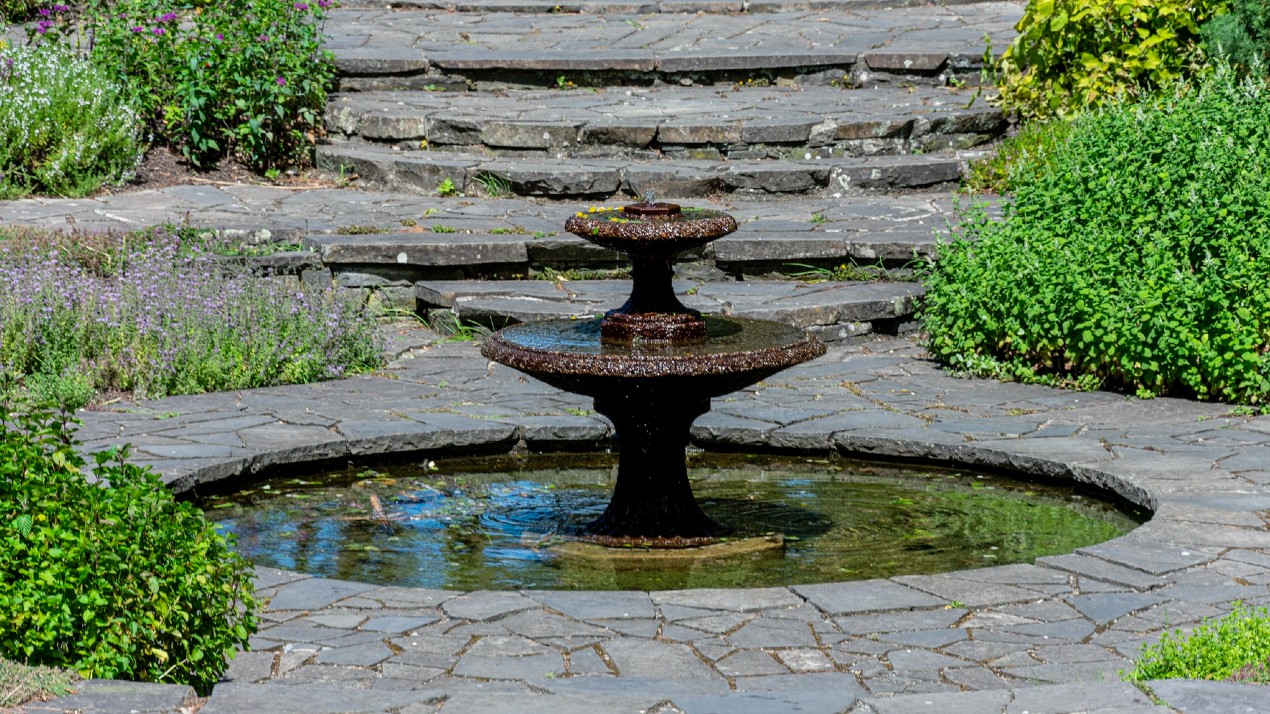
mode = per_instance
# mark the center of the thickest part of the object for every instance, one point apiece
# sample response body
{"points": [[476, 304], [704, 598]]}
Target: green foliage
{"points": [[242, 76], [852, 271], [360, 230], [495, 186], [447, 188], [1218, 649], [1073, 54], [452, 328], [1027, 151], [1242, 36], [1137, 259], [65, 127], [14, 11], [117, 581]]}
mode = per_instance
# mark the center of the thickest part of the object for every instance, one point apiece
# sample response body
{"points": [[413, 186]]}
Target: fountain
{"points": [[652, 366]]}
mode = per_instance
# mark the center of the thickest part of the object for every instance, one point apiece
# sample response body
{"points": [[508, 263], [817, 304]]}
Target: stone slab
{"points": [[1192, 697]]}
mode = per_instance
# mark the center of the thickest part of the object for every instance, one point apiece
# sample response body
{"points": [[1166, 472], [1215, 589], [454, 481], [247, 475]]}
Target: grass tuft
{"points": [[21, 683]]}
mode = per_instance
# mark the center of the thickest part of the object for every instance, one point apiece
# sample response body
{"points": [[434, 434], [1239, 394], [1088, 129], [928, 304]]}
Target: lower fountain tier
{"points": [[570, 355], [652, 393]]}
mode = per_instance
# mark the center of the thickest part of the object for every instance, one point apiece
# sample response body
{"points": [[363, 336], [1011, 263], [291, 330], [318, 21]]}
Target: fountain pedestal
{"points": [[653, 498], [652, 367]]}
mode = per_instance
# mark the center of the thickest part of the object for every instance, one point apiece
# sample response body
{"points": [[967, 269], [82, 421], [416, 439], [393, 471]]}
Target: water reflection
{"points": [[460, 529]]}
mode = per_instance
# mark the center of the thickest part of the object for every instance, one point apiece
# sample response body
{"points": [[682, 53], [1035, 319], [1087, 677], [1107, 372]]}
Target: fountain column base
{"points": [[653, 313], [652, 501]]}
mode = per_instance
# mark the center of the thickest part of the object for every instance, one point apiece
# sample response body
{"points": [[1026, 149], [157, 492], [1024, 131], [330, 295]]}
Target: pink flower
{"points": [[282, 81]]}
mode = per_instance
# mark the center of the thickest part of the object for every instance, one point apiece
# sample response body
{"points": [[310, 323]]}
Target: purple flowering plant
{"points": [[164, 312], [241, 77]]}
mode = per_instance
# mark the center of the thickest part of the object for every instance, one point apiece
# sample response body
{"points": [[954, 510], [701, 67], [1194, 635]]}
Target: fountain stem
{"points": [[653, 498]]}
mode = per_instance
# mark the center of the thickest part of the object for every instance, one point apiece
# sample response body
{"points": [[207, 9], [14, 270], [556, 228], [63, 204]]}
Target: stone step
{"points": [[642, 7], [503, 239], [672, 122], [474, 174], [478, 49], [831, 310]]}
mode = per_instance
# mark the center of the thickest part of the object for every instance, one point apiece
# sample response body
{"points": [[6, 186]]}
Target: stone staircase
{"points": [[680, 141], [835, 130]]}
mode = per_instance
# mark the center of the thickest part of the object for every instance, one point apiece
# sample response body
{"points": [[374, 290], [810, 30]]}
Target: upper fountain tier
{"points": [[650, 228], [652, 234], [652, 342]]}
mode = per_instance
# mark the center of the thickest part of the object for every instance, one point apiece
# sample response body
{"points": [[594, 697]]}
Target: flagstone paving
{"points": [[800, 117], [1045, 637]]}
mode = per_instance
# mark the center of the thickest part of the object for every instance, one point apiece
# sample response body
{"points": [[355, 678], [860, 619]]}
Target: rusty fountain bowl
{"points": [[652, 366]]}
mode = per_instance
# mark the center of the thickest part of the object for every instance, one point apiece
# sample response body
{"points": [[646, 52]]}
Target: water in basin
{"points": [[500, 523]]}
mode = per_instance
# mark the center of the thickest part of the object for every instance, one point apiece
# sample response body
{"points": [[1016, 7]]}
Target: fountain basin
{"points": [[510, 523], [572, 355]]}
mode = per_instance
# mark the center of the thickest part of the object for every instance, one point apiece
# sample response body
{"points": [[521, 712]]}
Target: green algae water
{"points": [[503, 523]]}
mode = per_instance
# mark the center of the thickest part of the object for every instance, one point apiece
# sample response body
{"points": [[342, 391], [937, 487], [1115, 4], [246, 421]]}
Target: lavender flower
{"points": [[171, 317]]}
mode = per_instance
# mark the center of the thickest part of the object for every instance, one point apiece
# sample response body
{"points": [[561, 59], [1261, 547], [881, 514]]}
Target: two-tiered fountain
{"points": [[652, 367]]}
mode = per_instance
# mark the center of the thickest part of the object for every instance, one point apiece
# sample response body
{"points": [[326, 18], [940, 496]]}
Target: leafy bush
{"points": [[65, 127], [1242, 36], [1218, 649], [13, 11], [241, 76], [159, 313], [115, 581], [1137, 259], [1027, 151], [1072, 54]]}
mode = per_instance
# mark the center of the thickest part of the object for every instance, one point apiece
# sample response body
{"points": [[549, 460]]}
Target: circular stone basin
{"points": [[571, 355], [505, 523], [655, 235]]}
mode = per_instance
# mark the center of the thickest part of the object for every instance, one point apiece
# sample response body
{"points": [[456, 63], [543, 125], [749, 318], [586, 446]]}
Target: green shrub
{"points": [[1027, 151], [1136, 260], [242, 76], [118, 581], [1242, 36], [14, 11], [1217, 650], [1072, 54], [65, 127]]}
